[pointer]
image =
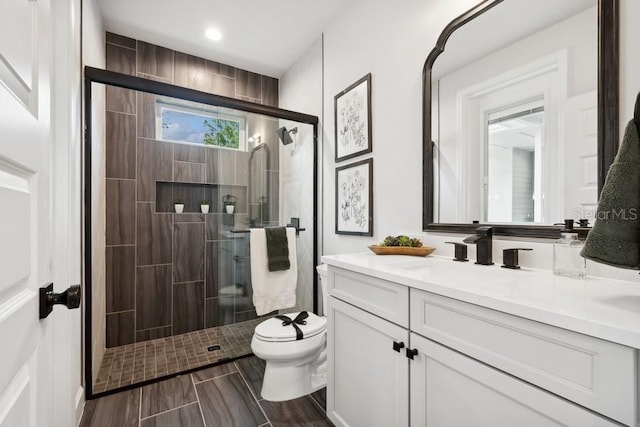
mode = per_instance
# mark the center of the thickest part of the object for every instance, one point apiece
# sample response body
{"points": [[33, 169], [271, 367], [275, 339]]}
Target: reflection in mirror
{"points": [[499, 55], [258, 188], [513, 175], [515, 107]]}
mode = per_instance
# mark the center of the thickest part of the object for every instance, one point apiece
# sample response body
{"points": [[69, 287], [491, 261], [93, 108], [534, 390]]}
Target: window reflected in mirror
{"points": [[513, 173]]}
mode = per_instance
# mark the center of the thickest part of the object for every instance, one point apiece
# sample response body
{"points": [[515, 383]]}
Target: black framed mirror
{"points": [[605, 97]]}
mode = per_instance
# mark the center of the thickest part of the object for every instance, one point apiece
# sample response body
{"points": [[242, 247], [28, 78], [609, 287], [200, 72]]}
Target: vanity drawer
{"points": [[597, 374], [385, 299]]}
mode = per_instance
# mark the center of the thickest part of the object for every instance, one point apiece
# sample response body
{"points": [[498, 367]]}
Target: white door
{"points": [[580, 156], [449, 389], [368, 382], [27, 47]]}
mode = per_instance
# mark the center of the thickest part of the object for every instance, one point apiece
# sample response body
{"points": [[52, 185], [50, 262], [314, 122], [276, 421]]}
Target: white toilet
{"points": [[294, 367]]}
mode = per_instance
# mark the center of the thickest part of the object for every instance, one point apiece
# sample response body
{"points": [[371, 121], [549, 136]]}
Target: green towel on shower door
{"points": [[277, 248], [615, 237]]}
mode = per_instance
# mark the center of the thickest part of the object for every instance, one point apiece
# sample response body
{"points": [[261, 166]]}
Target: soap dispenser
{"points": [[567, 260]]}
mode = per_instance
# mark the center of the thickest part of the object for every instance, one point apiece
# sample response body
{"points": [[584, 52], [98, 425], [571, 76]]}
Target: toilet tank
{"points": [[322, 276]]}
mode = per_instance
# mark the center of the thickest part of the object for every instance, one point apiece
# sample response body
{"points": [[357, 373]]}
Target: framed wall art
{"points": [[352, 114], [354, 198]]}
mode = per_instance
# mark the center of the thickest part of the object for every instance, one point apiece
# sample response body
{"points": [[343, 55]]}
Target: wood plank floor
{"points": [[225, 395]]}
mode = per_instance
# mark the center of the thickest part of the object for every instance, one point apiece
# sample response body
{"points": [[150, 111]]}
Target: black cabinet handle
{"points": [[398, 345], [411, 353]]}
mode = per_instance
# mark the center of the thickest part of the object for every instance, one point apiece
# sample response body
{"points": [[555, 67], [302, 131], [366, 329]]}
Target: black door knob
{"points": [[398, 345], [70, 298]]}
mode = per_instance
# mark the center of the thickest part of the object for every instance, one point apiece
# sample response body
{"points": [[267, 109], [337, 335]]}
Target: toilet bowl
{"points": [[294, 367]]}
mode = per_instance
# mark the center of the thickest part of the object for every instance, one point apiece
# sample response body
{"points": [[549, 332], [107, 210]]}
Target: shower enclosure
{"points": [[167, 290]]}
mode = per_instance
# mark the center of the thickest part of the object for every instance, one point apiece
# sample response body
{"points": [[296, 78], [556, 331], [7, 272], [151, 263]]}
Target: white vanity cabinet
{"points": [[368, 371], [591, 372], [470, 365], [370, 380], [450, 389]]}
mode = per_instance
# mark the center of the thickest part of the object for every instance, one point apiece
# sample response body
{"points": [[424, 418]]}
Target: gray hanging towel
{"points": [[277, 248], [615, 237]]}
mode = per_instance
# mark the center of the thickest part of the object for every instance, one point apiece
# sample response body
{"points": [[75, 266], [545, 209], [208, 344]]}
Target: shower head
{"points": [[285, 135]]}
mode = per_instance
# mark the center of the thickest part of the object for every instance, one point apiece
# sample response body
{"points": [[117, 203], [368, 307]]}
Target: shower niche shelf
{"points": [[193, 193]]}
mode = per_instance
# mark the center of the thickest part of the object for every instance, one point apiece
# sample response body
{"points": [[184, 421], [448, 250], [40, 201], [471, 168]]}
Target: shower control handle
{"points": [[398, 345]]}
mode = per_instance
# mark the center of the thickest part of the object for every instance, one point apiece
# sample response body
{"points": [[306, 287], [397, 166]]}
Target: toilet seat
{"points": [[271, 330]]}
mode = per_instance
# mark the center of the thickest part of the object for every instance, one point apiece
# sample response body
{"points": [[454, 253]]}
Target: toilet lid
{"points": [[272, 329]]}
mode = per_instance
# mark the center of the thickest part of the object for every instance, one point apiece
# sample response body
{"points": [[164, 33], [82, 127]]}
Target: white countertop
{"points": [[603, 308]]}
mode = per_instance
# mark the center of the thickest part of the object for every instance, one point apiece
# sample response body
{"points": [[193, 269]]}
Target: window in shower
{"points": [[181, 123]]}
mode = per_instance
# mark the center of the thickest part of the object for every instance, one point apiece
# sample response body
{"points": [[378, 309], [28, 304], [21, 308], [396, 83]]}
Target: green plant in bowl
{"points": [[401, 240]]}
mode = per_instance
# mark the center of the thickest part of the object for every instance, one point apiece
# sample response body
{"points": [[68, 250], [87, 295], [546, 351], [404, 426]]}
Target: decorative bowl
{"points": [[401, 250]]}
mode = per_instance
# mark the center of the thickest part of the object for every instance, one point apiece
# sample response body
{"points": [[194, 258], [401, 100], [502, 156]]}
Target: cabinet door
{"points": [[368, 382], [449, 389], [588, 371]]}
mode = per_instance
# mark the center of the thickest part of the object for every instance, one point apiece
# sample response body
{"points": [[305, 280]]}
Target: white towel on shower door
{"points": [[272, 290]]}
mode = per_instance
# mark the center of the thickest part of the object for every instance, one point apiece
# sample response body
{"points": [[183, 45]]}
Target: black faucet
{"points": [[510, 257], [484, 247], [460, 251]]}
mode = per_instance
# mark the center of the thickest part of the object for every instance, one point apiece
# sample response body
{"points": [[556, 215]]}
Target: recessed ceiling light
{"points": [[213, 34]]}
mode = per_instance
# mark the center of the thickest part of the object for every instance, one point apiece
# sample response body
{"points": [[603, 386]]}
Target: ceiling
{"points": [[263, 36], [502, 26], [517, 133]]}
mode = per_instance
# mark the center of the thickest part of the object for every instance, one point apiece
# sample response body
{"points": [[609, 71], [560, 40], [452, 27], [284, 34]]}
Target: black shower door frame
{"points": [[112, 78]]}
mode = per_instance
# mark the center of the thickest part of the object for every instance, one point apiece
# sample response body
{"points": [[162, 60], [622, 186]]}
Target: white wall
{"points": [[301, 90], [93, 54], [392, 40], [296, 200], [66, 107], [499, 206]]}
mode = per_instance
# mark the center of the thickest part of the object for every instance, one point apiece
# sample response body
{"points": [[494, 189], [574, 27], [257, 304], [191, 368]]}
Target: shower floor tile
{"points": [[148, 360]]}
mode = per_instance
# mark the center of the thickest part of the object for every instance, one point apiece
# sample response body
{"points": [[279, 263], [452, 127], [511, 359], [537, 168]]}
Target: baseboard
{"points": [[79, 404]]}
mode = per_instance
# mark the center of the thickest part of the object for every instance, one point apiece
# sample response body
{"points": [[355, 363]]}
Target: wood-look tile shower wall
{"points": [[163, 269]]}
